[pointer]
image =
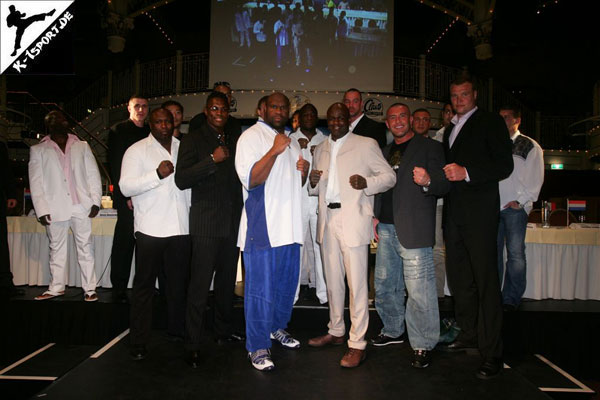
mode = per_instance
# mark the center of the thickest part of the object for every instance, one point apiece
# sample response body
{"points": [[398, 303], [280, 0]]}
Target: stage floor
{"points": [[95, 363]]}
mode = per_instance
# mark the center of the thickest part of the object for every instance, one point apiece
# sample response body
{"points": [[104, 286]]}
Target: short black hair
{"points": [[307, 106], [172, 103], [353, 90], [154, 111], [263, 100], [221, 83], [399, 105], [516, 111], [136, 96], [421, 110], [217, 95]]}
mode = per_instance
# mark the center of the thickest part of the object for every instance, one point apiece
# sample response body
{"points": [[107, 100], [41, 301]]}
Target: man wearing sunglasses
{"points": [[233, 125], [206, 165]]}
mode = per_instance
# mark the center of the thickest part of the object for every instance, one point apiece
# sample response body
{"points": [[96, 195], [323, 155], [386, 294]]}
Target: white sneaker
{"points": [[261, 359], [285, 339]]}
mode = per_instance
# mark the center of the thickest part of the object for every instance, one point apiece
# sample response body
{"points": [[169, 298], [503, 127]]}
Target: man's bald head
{"points": [[341, 106], [278, 111], [338, 120], [56, 122]]}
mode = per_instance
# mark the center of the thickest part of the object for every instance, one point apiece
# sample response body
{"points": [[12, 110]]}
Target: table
{"points": [[563, 263], [30, 252]]}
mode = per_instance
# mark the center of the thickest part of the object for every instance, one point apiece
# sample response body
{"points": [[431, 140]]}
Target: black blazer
{"points": [[373, 129], [120, 137], [8, 188], [414, 209], [216, 189], [484, 148]]}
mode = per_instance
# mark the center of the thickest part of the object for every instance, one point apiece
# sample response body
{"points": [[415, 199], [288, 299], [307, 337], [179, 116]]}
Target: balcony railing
{"points": [[419, 78]]}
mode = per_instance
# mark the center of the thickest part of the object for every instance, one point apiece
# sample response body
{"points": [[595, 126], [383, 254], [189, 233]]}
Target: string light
{"points": [[441, 35], [544, 4], [159, 27]]}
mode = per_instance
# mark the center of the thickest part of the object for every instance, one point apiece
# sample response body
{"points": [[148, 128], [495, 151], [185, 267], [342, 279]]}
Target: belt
{"points": [[334, 205]]}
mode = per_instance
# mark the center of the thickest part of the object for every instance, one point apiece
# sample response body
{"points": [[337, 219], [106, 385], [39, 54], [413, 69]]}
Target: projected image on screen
{"points": [[308, 44]]}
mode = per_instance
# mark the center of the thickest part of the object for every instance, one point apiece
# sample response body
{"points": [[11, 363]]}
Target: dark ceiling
{"points": [[550, 60]]}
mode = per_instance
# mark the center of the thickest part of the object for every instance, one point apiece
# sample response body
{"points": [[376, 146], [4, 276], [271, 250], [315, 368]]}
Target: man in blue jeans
{"points": [[517, 194], [405, 230]]}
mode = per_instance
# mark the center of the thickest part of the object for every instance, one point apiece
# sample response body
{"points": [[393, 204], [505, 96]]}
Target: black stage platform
{"points": [[67, 349]]}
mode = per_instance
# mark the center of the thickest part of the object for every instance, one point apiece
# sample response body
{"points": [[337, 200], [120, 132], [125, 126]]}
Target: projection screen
{"points": [[303, 45]]}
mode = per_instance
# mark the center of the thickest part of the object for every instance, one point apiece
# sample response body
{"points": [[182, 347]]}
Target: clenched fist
{"points": [[165, 168]]}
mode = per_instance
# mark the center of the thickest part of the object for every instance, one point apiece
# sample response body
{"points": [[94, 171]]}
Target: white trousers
{"points": [[341, 261], [311, 266], [58, 234]]}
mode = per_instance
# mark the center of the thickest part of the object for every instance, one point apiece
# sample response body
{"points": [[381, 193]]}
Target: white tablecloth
{"points": [[30, 252], [563, 263]]}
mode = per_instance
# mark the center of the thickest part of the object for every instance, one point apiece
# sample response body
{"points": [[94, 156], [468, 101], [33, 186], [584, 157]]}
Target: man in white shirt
{"points": [[347, 172], [311, 268], [66, 193], [517, 194], [161, 228], [272, 171], [447, 115]]}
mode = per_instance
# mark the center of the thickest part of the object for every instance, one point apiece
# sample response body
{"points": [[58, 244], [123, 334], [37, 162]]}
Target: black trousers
{"points": [[122, 249], [218, 256], [151, 253], [472, 271]]}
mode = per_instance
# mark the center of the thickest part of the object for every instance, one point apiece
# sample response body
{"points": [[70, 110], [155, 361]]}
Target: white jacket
{"points": [[49, 190]]}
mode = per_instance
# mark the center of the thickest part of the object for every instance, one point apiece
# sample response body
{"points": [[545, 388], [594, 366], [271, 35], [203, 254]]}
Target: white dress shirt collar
{"points": [[356, 121]]}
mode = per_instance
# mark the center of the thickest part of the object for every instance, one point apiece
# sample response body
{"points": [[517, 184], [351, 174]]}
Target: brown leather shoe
{"points": [[324, 340], [353, 358]]}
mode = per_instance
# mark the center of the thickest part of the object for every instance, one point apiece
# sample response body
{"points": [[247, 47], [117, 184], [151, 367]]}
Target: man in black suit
{"points": [[206, 165], [478, 152], [8, 199], [405, 230], [232, 126], [120, 138], [360, 124]]}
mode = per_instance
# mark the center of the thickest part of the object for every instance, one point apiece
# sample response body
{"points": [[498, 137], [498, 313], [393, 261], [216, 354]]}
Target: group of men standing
{"points": [[269, 191]]}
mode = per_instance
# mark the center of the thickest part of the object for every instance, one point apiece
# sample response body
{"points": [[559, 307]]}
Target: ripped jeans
{"points": [[397, 269]]}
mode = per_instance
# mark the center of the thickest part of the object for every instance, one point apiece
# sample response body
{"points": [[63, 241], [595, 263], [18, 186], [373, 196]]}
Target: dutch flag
{"points": [[576, 205]]}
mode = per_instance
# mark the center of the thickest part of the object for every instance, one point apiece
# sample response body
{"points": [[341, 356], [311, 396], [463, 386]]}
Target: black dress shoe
{"points": [[193, 359], [490, 368], [231, 338], [509, 307], [138, 352], [457, 346]]}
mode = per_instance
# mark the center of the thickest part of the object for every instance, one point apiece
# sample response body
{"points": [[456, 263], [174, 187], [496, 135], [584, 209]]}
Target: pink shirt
{"points": [[65, 162]]}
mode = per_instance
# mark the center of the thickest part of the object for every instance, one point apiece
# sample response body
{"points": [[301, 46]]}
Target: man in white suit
{"points": [[66, 193], [348, 170]]}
